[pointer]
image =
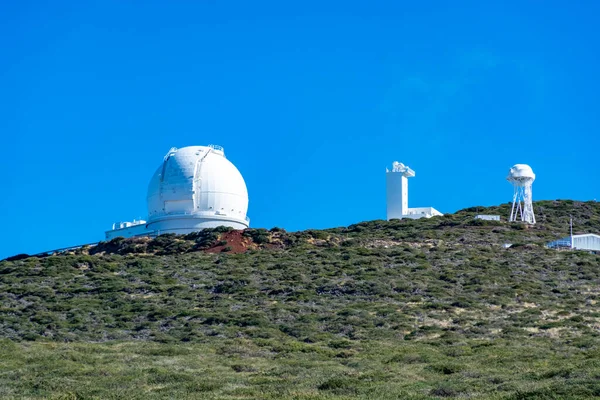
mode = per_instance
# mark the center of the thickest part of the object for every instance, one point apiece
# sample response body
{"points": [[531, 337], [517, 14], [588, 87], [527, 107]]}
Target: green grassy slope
{"points": [[401, 309]]}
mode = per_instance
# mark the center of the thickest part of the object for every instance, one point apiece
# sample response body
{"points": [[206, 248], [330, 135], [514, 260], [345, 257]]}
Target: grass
{"points": [[241, 368], [402, 309]]}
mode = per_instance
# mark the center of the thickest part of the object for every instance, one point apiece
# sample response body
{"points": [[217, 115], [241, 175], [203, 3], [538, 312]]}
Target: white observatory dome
{"points": [[521, 172], [194, 188]]}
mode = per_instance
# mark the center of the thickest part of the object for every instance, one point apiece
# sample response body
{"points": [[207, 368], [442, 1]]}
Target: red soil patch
{"points": [[236, 243]]}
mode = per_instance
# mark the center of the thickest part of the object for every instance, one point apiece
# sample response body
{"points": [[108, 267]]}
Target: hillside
{"points": [[400, 309]]}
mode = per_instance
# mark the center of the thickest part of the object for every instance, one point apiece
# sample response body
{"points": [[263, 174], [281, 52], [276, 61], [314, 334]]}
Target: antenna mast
{"points": [[571, 224]]}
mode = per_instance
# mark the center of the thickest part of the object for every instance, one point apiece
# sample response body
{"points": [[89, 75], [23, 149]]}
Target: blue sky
{"points": [[310, 101]]}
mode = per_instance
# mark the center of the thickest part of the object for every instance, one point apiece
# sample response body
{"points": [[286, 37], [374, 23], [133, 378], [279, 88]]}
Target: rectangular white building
{"points": [[129, 229], [588, 241], [488, 217]]}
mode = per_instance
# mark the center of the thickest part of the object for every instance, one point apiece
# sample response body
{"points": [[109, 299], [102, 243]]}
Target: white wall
{"points": [[488, 217], [396, 195], [134, 230], [586, 242], [182, 224]]}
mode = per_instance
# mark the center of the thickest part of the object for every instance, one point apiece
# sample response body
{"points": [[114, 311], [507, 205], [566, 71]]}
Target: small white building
{"points": [[128, 229], [588, 241], [421, 212], [488, 217], [397, 195]]}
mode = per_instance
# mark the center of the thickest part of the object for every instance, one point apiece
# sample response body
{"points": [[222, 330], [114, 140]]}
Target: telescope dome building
{"points": [[194, 188]]}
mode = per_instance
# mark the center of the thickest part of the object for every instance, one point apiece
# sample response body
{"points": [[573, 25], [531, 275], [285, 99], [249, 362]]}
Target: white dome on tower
{"points": [[194, 188], [521, 176], [520, 172]]}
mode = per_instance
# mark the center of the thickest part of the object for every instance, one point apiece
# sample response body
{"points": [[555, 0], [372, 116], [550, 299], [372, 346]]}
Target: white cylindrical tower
{"points": [[194, 188], [521, 176], [397, 190]]}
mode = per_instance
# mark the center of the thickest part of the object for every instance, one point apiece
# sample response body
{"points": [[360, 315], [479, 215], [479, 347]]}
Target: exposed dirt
{"points": [[236, 243]]}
